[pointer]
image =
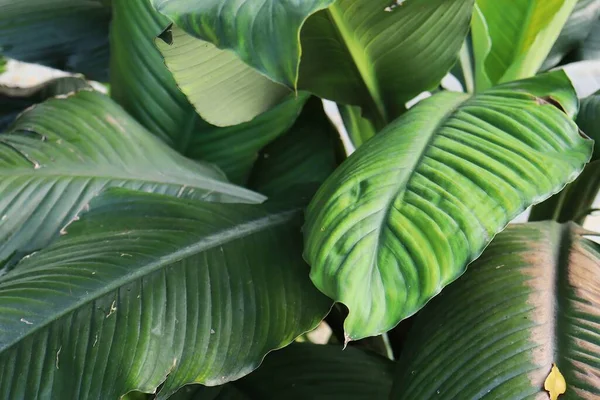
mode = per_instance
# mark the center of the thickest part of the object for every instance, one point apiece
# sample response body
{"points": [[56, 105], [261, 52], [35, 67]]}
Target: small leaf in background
{"points": [[71, 35], [555, 383], [403, 216]]}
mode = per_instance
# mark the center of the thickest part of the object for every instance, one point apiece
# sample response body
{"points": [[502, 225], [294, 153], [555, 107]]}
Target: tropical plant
{"points": [[162, 240]]}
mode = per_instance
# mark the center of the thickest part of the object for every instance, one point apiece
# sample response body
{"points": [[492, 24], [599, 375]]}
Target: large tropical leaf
{"points": [[149, 288], [404, 215], [512, 40], [71, 35], [307, 371], [13, 100], [306, 155], [575, 31], [353, 52], [590, 49], [143, 85], [529, 302], [224, 90], [575, 201], [61, 153]]}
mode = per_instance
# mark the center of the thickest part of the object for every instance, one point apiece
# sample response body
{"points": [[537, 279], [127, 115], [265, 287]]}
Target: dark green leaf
{"points": [[307, 371], [61, 153], [403, 216], [14, 100], [305, 155], [359, 128], [71, 35], [531, 300], [147, 288]]}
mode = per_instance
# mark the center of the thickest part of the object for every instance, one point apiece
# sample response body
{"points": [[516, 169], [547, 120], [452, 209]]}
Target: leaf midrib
{"points": [[361, 62], [216, 239], [116, 174]]}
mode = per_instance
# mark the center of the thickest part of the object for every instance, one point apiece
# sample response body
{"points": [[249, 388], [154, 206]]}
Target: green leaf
{"points": [[307, 371], [306, 155], [356, 52], [13, 100], [575, 201], [574, 32], [353, 52], [359, 128], [223, 89], [3, 62], [263, 33], [149, 288], [403, 216], [143, 85], [511, 41], [529, 302], [71, 35], [590, 49], [61, 153]]}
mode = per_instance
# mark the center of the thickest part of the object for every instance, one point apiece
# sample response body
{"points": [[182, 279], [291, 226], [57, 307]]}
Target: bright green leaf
{"points": [[529, 302], [13, 100], [307, 371], [403, 216], [61, 153], [148, 288], [143, 85], [224, 90], [512, 39], [71, 35]]}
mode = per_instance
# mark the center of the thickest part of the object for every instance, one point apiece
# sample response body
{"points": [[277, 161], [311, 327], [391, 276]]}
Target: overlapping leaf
{"points": [[143, 85], [13, 100], [304, 156], [147, 288], [512, 42], [307, 371], [403, 216], [529, 302], [575, 201], [71, 35], [224, 90], [359, 52], [61, 153]]}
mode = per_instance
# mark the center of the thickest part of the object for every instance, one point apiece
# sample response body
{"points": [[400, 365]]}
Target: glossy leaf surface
{"points": [[148, 288], [404, 215], [529, 302], [61, 153]]}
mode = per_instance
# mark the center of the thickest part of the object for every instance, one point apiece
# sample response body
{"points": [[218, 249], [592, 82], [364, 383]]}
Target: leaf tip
{"points": [[555, 383]]}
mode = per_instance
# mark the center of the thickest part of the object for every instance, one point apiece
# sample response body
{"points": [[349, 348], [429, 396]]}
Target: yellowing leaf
{"points": [[555, 383]]}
